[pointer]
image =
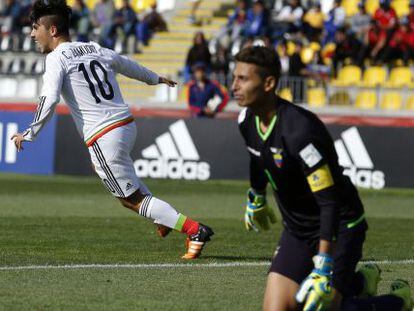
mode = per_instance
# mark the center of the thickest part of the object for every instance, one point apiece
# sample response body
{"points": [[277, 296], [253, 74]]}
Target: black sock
{"points": [[357, 284], [376, 303]]}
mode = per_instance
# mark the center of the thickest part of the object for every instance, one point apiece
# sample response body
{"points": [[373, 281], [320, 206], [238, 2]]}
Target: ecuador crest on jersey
{"points": [[277, 156]]}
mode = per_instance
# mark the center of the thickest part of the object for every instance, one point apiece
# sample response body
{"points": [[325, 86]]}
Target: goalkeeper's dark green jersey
{"points": [[297, 157]]}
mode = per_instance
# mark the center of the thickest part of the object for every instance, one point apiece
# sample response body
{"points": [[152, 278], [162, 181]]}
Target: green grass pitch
{"points": [[71, 220]]}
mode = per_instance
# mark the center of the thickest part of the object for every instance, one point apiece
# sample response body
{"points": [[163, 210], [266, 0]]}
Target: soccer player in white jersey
{"points": [[84, 74]]}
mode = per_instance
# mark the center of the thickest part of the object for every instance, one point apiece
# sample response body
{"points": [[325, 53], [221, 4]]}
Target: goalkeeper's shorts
{"points": [[293, 257], [110, 155]]}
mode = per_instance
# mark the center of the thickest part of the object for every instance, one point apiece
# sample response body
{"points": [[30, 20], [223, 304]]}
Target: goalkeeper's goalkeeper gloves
{"points": [[258, 213], [315, 292]]}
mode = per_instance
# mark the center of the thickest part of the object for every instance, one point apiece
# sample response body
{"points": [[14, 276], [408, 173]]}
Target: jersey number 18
{"points": [[93, 65]]}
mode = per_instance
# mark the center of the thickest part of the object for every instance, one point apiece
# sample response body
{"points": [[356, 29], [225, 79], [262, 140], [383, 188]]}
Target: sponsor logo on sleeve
{"points": [[310, 155]]}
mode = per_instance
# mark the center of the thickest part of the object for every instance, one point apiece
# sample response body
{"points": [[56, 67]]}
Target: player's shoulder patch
{"points": [[310, 155], [242, 115]]}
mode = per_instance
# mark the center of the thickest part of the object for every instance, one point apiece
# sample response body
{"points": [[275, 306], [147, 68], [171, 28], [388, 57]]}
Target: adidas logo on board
{"points": [[173, 155], [354, 157]]}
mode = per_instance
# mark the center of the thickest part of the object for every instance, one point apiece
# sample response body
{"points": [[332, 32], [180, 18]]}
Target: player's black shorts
{"points": [[293, 257]]}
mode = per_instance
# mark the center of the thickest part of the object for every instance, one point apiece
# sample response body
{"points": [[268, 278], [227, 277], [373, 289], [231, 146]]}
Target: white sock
{"points": [[159, 211]]}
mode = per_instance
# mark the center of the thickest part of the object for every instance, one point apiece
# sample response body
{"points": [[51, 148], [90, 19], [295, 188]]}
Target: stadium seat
{"points": [[371, 6], [16, 66], [306, 54], [391, 101], [316, 97], [400, 77], [8, 87], [401, 7], [28, 88], [340, 98], [409, 105], [328, 52], [350, 7], [373, 76], [286, 94], [6, 43], [347, 76], [366, 100]]}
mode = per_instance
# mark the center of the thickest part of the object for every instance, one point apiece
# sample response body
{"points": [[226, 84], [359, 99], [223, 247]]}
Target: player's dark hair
{"points": [[57, 12], [265, 59]]}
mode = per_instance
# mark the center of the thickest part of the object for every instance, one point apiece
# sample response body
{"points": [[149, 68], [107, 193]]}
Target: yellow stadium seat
{"points": [[371, 6], [373, 76], [401, 7], [347, 76], [328, 52], [306, 54], [410, 103], [315, 46], [400, 77], [316, 97], [290, 48], [391, 101], [350, 7], [366, 100], [286, 94]]}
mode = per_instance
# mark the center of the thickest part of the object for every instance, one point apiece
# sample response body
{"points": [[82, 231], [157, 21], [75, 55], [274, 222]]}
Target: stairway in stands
{"points": [[167, 51]]}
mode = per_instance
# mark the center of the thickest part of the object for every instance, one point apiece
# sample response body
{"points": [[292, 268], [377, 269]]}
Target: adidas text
{"points": [[366, 178], [174, 169]]}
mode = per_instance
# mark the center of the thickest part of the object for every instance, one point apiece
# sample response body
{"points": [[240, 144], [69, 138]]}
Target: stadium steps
{"points": [[167, 50]]}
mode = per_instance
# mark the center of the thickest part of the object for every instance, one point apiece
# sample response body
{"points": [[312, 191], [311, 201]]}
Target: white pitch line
{"points": [[176, 265], [140, 266]]}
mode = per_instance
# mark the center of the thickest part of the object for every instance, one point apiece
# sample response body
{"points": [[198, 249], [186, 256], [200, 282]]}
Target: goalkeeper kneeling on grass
{"points": [[314, 267]]}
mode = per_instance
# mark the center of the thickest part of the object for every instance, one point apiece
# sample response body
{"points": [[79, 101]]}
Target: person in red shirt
{"points": [[386, 18], [374, 44]]}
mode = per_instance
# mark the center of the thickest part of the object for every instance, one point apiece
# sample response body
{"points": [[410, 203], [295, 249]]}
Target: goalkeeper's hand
{"points": [[258, 213], [315, 292]]}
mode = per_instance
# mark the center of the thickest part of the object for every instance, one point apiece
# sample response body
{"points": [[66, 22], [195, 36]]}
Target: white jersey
{"points": [[84, 74]]}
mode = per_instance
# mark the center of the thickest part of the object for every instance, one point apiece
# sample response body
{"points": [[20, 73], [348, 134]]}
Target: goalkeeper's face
{"points": [[248, 87], [42, 35]]}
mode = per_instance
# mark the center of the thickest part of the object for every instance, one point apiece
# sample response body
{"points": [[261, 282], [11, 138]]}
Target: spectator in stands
{"points": [[360, 22], [198, 52], [347, 47], [102, 18], [386, 18], [373, 45], [10, 17], [220, 64], [194, 6], [313, 22], [336, 19], [235, 25], [81, 21], [125, 18], [257, 20], [401, 44], [205, 97], [151, 23], [289, 19], [281, 50], [410, 15], [297, 72]]}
